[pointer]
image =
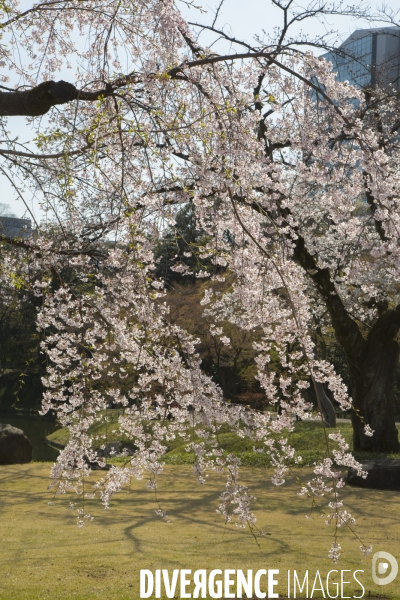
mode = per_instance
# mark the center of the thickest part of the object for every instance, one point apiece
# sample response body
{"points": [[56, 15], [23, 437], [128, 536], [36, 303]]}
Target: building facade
{"points": [[368, 57], [15, 228]]}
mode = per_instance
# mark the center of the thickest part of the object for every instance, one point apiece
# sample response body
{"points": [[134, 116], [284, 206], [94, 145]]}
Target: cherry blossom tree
{"points": [[294, 179]]}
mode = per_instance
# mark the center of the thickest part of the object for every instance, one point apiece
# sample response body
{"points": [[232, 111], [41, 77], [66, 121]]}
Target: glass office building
{"points": [[15, 227], [368, 57]]}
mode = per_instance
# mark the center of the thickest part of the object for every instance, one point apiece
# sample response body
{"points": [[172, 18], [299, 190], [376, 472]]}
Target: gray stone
{"points": [[328, 412], [383, 474], [129, 449], [15, 448], [95, 466], [117, 449]]}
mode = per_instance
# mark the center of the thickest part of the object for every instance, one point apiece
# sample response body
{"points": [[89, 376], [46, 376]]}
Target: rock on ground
{"points": [[117, 449], [383, 474], [15, 448]]}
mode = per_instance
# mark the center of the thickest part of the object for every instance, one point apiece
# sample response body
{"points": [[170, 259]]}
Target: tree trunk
{"points": [[373, 387], [372, 361]]}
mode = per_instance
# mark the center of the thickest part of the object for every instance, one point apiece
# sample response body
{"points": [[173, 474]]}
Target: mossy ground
{"points": [[43, 555], [308, 438]]}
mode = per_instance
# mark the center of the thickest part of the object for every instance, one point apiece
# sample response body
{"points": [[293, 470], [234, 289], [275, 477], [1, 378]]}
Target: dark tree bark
{"points": [[372, 361], [373, 386], [38, 100]]}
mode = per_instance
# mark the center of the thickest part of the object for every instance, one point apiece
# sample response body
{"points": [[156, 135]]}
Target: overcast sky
{"points": [[243, 19], [247, 18]]}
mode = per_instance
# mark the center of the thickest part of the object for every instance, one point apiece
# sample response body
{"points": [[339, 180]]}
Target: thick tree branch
{"points": [[6, 152], [347, 331], [385, 328], [38, 100], [372, 204], [31, 247]]}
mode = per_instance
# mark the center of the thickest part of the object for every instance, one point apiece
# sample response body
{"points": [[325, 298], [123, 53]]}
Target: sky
{"points": [[244, 19], [247, 18]]}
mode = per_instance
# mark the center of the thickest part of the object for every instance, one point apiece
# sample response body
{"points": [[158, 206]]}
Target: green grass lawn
{"points": [[308, 439], [43, 555]]}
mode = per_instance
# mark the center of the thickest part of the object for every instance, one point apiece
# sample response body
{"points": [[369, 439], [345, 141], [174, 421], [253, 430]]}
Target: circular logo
{"points": [[384, 564]]}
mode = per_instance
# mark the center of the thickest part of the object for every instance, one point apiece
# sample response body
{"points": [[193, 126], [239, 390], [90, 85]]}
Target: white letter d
{"points": [[143, 574]]}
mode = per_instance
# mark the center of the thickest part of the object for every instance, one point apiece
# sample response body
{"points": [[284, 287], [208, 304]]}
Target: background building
{"points": [[15, 227], [368, 57]]}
